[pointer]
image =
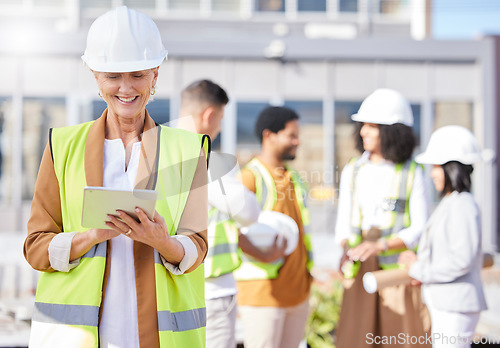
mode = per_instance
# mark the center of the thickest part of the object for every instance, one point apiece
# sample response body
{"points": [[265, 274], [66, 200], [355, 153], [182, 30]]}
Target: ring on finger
{"points": [[128, 232]]}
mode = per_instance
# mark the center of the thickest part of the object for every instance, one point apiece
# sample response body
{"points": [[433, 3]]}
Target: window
{"points": [[345, 147], [159, 110], [189, 5], [216, 143], [415, 108], [312, 5], [248, 144], [140, 3], [226, 5], [453, 113], [394, 6], [5, 172], [96, 3], [40, 114], [310, 112], [270, 5], [98, 106], [348, 5], [309, 160], [246, 117]]}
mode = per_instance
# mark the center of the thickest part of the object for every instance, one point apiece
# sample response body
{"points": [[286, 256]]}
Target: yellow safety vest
{"points": [[265, 191], [222, 256], [396, 213], [67, 304]]}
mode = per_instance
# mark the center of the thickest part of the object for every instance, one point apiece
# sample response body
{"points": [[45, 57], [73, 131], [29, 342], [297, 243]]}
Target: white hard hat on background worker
{"points": [[385, 106], [139, 46], [453, 143]]}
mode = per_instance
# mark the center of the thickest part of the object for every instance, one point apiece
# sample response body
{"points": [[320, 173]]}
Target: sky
{"points": [[465, 19]]}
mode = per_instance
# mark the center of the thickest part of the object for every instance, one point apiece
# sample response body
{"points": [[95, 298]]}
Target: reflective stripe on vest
{"points": [[67, 303], [396, 208], [222, 257], [266, 193]]}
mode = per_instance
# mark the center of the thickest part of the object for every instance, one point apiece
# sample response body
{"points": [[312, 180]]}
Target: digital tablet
{"points": [[98, 202]]}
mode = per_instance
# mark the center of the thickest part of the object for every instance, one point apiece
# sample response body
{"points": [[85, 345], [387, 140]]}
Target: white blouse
{"points": [[374, 181], [121, 298]]}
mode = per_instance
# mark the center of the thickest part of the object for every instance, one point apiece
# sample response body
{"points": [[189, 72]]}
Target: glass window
{"points": [[226, 5], [248, 144], [415, 108], [348, 5], [453, 113], [270, 5], [140, 3], [216, 144], [345, 147], [95, 3], [312, 5], [310, 112], [394, 6], [190, 5], [98, 107], [159, 109], [40, 114], [5, 157], [247, 114], [309, 160]]}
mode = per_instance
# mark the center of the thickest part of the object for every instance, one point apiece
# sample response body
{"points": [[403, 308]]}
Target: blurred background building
{"points": [[319, 57]]}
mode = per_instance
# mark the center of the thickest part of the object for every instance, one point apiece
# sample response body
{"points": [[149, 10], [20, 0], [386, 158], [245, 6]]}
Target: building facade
{"points": [[320, 57]]}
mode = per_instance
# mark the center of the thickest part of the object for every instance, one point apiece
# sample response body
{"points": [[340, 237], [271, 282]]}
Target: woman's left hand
{"points": [[147, 231]]}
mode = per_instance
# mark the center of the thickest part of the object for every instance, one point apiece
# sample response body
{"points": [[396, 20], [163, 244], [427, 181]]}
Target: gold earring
{"points": [[153, 91], [99, 93]]}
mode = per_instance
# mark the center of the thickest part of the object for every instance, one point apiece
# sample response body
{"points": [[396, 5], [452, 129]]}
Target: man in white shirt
{"points": [[231, 205]]}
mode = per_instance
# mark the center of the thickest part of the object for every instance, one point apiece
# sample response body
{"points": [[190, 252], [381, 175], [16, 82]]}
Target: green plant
{"points": [[325, 303]]}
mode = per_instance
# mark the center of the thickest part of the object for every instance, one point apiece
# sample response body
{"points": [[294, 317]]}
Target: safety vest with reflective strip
{"points": [[67, 304], [222, 254], [267, 196], [396, 210]]}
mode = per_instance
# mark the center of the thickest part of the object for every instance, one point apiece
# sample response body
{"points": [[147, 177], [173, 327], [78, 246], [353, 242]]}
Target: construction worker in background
{"points": [[382, 211], [231, 206], [273, 288], [449, 253], [136, 283]]}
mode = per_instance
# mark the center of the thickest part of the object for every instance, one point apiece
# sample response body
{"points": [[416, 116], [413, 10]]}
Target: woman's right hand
{"points": [[101, 235], [83, 242]]}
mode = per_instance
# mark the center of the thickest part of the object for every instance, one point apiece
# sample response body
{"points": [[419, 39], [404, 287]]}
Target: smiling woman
{"points": [[136, 283], [126, 95]]}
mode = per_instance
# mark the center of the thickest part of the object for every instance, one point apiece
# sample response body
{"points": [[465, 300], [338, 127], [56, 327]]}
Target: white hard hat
{"points": [[453, 143], [385, 106], [271, 223], [123, 40]]}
